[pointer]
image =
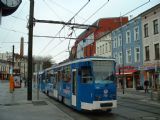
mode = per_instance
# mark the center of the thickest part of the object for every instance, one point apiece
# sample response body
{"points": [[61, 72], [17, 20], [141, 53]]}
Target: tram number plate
{"points": [[106, 104]]}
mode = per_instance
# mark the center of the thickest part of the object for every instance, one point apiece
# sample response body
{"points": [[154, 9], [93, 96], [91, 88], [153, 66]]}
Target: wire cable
{"points": [[13, 30], [20, 11], [96, 11], [62, 29], [52, 10], [60, 6], [136, 8]]}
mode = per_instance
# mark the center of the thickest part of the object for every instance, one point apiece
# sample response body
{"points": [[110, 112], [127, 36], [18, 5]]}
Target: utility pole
{"points": [[12, 58], [123, 81], [30, 41]]}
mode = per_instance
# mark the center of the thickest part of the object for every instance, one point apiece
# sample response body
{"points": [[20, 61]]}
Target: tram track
{"points": [[140, 106], [87, 115], [140, 102], [114, 115]]}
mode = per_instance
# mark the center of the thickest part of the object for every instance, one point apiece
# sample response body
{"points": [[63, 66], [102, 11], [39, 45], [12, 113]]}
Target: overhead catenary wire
{"points": [[101, 8], [87, 19], [20, 11], [136, 8], [13, 30], [27, 34], [60, 53], [52, 10], [62, 7], [13, 42], [24, 20], [96, 11], [63, 28]]}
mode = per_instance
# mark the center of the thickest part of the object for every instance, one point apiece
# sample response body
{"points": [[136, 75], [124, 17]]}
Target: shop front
{"points": [[152, 75], [129, 76]]}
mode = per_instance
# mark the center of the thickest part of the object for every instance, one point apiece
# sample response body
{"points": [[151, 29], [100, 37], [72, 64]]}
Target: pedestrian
{"points": [[25, 83], [146, 84], [20, 82], [121, 83]]}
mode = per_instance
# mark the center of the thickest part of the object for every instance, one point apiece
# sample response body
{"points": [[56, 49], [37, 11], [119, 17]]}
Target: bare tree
{"points": [[43, 61]]}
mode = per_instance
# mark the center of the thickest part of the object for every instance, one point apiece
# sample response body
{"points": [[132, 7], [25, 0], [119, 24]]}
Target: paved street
{"points": [[131, 106], [151, 97], [14, 106]]}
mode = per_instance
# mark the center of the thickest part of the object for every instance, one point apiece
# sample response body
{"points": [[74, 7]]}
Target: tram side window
{"points": [[59, 76], [53, 80], [86, 75]]}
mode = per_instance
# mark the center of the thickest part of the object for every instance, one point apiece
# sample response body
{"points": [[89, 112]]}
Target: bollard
{"points": [[11, 83]]}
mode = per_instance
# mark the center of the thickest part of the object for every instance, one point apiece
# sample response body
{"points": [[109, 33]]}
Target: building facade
{"points": [[151, 45], [5, 65], [104, 46], [85, 45], [128, 52]]}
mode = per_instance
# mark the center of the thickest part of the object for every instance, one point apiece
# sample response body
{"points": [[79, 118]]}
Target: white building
{"points": [[151, 44], [84, 43], [103, 46], [5, 64], [6, 56]]}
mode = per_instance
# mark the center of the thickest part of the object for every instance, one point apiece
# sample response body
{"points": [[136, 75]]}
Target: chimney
{"points": [[22, 47]]}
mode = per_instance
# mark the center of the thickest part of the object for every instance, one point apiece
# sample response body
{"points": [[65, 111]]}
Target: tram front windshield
{"points": [[104, 71]]}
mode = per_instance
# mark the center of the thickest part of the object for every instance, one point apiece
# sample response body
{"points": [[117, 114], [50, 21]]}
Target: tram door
{"points": [[74, 87]]}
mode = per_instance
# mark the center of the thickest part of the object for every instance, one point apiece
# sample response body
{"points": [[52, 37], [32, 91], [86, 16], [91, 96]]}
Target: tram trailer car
{"points": [[39, 80], [85, 84]]}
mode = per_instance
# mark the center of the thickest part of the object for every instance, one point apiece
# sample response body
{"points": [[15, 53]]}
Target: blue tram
{"points": [[83, 84]]}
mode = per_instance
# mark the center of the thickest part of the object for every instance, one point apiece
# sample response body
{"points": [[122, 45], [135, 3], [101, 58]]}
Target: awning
{"points": [[126, 72]]}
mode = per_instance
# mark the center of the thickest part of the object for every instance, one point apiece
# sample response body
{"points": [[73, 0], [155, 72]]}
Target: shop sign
{"points": [[140, 68], [127, 68], [149, 68]]}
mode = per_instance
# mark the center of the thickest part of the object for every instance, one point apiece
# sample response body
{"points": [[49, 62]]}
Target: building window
{"points": [[137, 54], [136, 34], [106, 48], [120, 40], [110, 46], [103, 49], [147, 53], [120, 58], [115, 56], [128, 39], [146, 30], [157, 53], [128, 53], [115, 42], [98, 50], [155, 26]]}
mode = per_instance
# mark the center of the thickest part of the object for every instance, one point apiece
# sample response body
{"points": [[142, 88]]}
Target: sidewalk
{"points": [[139, 95], [14, 106]]}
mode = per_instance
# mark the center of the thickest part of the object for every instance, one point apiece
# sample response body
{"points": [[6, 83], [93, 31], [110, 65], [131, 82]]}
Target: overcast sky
{"points": [[14, 27]]}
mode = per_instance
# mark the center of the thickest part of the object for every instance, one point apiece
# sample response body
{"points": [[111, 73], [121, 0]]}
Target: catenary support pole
{"points": [[30, 41]]}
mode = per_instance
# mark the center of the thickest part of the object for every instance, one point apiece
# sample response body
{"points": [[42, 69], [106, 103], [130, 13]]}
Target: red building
{"points": [[85, 44]]}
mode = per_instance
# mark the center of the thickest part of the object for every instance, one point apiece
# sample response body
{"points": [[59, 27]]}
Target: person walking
{"points": [[146, 84]]}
